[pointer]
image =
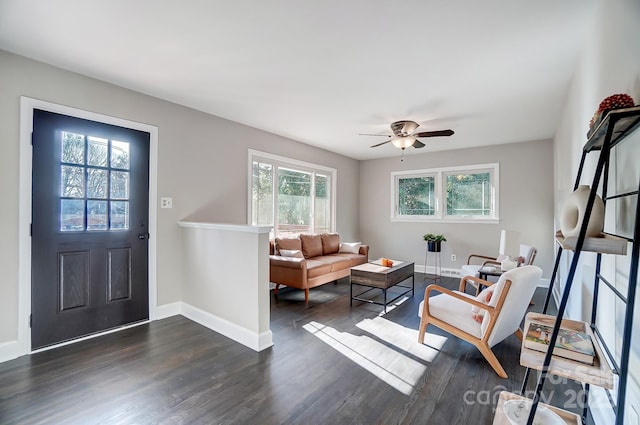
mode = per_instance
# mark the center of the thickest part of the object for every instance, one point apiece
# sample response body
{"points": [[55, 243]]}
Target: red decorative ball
{"points": [[616, 101]]}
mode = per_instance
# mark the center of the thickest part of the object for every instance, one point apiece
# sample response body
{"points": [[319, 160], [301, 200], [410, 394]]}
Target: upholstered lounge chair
{"points": [[452, 311], [476, 261]]}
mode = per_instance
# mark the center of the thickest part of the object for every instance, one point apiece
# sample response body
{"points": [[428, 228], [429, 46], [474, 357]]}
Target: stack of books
{"points": [[571, 344]]}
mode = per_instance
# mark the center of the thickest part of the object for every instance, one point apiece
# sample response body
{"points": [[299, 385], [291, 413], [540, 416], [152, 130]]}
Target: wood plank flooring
{"points": [[331, 364]]}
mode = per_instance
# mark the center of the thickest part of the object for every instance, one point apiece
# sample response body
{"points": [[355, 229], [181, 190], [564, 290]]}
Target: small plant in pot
{"points": [[434, 242]]}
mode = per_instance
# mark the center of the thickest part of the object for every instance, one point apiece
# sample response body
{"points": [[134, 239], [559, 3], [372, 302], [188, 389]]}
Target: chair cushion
{"points": [[453, 311], [288, 243], [311, 245], [470, 270], [524, 281], [330, 243], [526, 252]]}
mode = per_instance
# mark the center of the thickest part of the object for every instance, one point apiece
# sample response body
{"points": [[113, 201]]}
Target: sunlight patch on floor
{"points": [[397, 367], [405, 339]]}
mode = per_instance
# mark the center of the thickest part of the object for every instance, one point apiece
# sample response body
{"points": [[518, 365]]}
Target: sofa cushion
{"points": [[337, 262], [350, 260], [291, 244], [311, 245], [330, 243], [317, 268]]}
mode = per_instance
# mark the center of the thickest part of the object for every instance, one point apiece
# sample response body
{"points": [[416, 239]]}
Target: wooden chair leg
{"points": [[518, 334], [492, 359], [423, 329], [306, 295], [275, 291]]}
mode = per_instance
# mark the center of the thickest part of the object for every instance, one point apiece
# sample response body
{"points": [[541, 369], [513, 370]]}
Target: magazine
{"points": [[573, 345]]}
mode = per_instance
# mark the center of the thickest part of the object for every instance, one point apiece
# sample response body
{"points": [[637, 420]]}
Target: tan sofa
{"points": [[312, 260]]}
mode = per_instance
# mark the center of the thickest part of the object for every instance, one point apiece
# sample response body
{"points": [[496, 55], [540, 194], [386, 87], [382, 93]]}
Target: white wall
{"points": [[226, 280], [526, 204], [202, 164], [610, 64]]}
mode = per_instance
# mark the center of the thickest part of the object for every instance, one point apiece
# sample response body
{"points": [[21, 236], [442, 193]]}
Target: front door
{"points": [[90, 210]]}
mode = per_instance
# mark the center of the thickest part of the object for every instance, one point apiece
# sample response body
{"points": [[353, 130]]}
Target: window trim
{"points": [[283, 161], [440, 194]]}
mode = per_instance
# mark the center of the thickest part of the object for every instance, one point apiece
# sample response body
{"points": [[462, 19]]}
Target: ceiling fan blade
{"points": [[371, 134], [434, 133], [380, 144], [418, 144]]}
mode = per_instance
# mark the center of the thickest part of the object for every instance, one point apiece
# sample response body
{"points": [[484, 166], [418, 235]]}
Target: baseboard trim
{"points": [[10, 350], [544, 283], [449, 272], [167, 310], [255, 341]]}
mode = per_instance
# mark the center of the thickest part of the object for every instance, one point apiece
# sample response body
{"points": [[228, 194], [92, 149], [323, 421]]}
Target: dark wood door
{"points": [[90, 211]]}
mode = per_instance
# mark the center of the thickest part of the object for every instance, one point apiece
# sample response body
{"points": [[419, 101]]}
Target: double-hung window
{"points": [[456, 194], [292, 196]]}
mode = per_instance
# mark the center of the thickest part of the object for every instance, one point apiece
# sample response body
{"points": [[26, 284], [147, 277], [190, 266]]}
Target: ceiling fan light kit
{"points": [[403, 142]]}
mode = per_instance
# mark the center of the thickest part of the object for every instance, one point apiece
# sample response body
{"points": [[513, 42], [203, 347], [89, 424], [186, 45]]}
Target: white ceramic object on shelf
{"points": [[574, 210], [508, 264], [517, 412]]}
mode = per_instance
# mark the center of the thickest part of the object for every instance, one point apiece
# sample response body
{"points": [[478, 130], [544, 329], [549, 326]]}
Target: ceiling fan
{"points": [[404, 136]]}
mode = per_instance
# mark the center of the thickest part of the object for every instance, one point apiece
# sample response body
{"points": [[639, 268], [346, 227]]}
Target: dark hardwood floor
{"points": [[331, 364]]}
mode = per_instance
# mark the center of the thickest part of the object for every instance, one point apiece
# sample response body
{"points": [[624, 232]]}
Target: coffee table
{"points": [[374, 275]]}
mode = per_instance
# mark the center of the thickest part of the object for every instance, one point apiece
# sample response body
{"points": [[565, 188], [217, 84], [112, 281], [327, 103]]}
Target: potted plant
{"points": [[434, 241]]}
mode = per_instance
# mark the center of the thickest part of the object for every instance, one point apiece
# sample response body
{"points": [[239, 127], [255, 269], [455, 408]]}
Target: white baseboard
{"points": [[167, 310], [449, 272], [255, 341], [445, 271], [10, 350], [544, 283]]}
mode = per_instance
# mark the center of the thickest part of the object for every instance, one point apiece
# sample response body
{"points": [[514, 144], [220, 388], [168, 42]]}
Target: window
{"points": [[94, 183], [292, 196], [457, 194]]}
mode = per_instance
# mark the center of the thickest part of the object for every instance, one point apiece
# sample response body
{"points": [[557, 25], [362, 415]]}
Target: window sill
{"points": [[446, 220]]}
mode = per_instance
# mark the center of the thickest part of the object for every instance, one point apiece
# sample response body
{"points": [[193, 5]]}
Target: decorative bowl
{"points": [[517, 412]]}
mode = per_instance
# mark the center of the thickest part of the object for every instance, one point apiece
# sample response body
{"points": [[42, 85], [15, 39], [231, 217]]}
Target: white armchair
{"points": [[451, 311], [476, 261]]}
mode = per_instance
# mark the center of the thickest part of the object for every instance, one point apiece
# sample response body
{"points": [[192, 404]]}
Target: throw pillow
{"points": [[296, 253], [484, 297], [330, 243], [311, 245], [350, 247]]}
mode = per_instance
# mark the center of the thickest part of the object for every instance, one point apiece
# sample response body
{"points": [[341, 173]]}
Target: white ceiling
{"points": [[322, 71]]}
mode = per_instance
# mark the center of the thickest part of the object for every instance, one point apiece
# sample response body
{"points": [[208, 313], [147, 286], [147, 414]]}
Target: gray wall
{"points": [[526, 204], [202, 164]]}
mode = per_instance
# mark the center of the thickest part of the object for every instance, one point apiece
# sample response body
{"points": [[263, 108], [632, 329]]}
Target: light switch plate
{"points": [[166, 202]]}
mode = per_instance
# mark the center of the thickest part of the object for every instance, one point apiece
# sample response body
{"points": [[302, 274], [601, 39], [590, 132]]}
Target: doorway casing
{"points": [[27, 105]]}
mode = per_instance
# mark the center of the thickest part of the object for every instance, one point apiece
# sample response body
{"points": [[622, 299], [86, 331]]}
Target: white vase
{"points": [[573, 212], [508, 264]]}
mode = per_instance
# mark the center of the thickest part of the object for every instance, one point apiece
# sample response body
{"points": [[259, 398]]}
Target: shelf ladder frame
{"points": [[602, 169]]}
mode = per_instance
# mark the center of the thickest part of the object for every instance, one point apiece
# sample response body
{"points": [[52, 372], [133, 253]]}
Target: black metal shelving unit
{"points": [[615, 128]]}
